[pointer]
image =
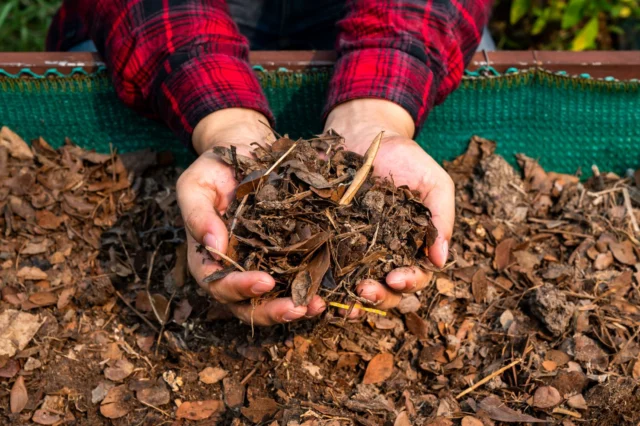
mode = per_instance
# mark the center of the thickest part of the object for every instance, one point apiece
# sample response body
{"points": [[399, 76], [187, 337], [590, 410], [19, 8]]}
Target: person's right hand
{"points": [[204, 192]]}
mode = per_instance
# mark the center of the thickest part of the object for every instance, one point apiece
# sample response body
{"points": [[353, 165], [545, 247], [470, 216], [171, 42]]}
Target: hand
{"points": [[204, 192], [359, 121]]}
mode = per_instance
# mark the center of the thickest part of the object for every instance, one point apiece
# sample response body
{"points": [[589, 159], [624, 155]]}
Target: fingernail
{"points": [[445, 250], [295, 313], [368, 293], [261, 287], [210, 240], [397, 283]]}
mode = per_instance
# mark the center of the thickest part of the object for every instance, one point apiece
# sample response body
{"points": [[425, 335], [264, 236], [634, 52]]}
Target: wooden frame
{"points": [[598, 64]]}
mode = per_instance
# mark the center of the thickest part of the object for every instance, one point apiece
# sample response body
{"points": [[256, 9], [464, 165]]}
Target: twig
{"points": [[148, 285], [277, 163], [157, 409], [145, 319], [629, 208], [248, 376], [559, 410], [625, 346], [225, 257], [363, 172], [166, 314], [238, 212], [488, 378]]}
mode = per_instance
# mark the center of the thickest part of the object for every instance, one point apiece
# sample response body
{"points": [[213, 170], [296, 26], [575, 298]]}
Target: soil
{"points": [[534, 319]]}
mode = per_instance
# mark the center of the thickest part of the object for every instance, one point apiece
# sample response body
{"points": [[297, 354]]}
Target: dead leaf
{"points": [[603, 261], [479, 286], [504, 254], [402, 420], [233, 392], [18, 398], [44, 298], [623, 252], [636, 370], [44, 417], [182, 311], [546, 397], [116, 403], [471, 421], [307, 282], [16, 146], [577, 402], [16, 331], [156, 395], [497, 410], [409, 303], [121, 369], [445, 287], [549, 365], [37, 248], [211, 375], [417, 325], [506, 319], [32, 273], [312, 369], [260, 410], [101, 391], [379, 369], [199, 410], [21, 208], [587, 350], [10, 369], [47, 220]]}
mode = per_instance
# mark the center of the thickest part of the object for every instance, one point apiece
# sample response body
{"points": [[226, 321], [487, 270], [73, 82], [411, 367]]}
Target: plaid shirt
{"points": [[180, 60]]}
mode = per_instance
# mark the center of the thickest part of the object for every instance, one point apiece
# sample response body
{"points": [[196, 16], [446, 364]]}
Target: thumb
{"points": [[441, 202]]}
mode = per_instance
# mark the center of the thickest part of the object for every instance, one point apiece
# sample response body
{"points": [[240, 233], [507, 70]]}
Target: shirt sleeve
{"points": [[409, 52], [177, 60]]}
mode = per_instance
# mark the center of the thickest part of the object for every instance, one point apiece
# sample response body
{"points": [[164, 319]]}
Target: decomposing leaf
{"points": [[497, 410], [155, 395], [623, 252], [16, 331], [31, 273], [504, 254], [546, 397], [260, 410], [306, 283], [44, 417], [44, 298], [18, 396], [211, 375], [182, 311], [471, 421], [120, 370], [116, 402], [16, 146], [417, 325], [379, 369], [199, 410]]}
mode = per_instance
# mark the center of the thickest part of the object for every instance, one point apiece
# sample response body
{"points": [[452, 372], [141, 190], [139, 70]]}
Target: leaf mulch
{"points": [[534, 319]]}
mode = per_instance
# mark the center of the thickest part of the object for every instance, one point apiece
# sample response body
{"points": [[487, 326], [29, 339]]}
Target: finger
{"points": [[239, 286], [381, 296], [441, 202], [315, 307], [198, 197], [271, 312], [408, 279], [354, 314], [201, 265]]}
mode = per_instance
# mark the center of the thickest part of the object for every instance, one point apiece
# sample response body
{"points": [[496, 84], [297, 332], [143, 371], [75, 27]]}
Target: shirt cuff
{"points": [[196, 87], [388, 74]]}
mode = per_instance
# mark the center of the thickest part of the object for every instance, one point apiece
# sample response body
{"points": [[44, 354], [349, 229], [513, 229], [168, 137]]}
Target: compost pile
{"points": [[311, 213], [533, 320]]}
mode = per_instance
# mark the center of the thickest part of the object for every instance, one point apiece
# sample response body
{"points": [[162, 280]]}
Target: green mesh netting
{"points": [[566, 122]]}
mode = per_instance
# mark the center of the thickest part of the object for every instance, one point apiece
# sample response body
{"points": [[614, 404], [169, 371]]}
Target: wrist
{"points": [[239, 127], [362, 119]]}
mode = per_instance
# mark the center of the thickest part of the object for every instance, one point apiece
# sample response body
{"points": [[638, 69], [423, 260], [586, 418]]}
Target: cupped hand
{"points": [[402, 159], [204, 191]]}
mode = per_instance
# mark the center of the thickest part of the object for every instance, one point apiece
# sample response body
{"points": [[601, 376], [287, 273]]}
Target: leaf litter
{"points": [[534, 320]]}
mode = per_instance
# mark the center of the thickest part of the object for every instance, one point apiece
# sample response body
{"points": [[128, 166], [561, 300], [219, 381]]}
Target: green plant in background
{"points": [[570, 24], [24, 23]]}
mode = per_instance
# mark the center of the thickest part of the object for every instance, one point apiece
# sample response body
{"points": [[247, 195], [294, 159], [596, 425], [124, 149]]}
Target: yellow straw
{"points": [[356, 306]]}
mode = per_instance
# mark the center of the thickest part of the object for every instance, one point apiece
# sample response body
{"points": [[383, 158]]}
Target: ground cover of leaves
{"points": [[534, 319]]}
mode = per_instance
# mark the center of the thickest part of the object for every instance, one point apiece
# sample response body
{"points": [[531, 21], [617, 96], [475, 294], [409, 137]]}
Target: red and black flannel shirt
{"points": [[180, 60]]}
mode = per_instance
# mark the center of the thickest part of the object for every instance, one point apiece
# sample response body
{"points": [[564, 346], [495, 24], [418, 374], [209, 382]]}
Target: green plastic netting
{"points": [[568, 123]]}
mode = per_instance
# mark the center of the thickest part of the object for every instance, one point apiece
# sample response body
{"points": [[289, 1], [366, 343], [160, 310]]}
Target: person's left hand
{"points": [[400, 157]]}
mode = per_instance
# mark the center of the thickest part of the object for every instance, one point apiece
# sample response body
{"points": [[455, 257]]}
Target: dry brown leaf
{"points": [[417, 325], [116, 403], [32, 273], [408, 304], [623, 252], [44, 298], [16, 146], [379, 369], [549, 365], [37, 248], [156, 395], [445, 287], [636, 370], [603, 261], [16, 331], [182, 311], [471, 421], [504, 254], [199, 410], [10, 369], [120, 370], [44, 417], [546, 397], [497, 410], [578, 402], [18, 397], [402, 420], [211, 375], [307, 281], [47, 220], [260, 410]]}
